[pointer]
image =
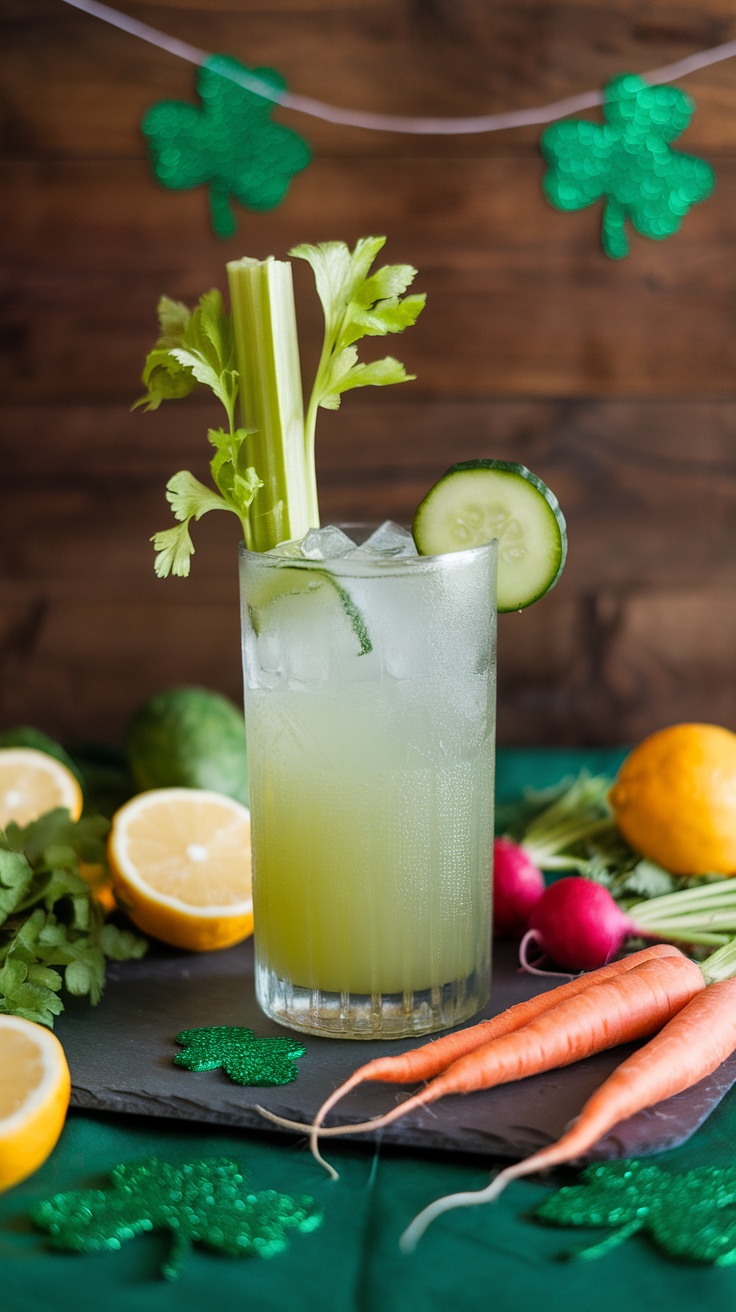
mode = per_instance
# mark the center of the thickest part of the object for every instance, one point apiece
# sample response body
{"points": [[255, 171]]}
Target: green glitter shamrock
{"points": [[242, 1056], [627, 160], [688, 1215], [230, 143], [204, 1202]]}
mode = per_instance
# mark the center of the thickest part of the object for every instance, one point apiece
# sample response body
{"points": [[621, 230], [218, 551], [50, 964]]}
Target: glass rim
{"points": [[370, 564]]}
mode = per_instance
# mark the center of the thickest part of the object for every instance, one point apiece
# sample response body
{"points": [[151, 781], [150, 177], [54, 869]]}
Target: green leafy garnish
{"points": [[198, 348], [253, 354], [49, 917], [356, 304]]}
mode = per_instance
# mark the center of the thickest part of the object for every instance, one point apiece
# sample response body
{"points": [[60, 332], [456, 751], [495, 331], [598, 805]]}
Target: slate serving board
{"points": [[121, 1059]]}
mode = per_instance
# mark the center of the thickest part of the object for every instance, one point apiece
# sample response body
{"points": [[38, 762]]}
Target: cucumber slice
{"points": [[290, 580], [479, 500]]}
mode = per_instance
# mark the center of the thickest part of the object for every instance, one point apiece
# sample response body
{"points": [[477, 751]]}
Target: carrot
{"points": [[690, 1047], [432, 1058]]}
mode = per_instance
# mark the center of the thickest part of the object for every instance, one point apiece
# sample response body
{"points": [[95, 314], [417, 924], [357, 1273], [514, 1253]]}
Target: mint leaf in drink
{"points": [[357, 304]]}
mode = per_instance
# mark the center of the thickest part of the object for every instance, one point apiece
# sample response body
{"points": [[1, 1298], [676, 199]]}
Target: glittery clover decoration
{"points": [[691, 1215], [205, 1202], [242, 1056], [627, 160], [230, 143]]}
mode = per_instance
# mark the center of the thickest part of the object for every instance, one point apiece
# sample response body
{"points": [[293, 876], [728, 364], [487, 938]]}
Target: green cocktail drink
{"points": [[369, 681], [370, 710]]}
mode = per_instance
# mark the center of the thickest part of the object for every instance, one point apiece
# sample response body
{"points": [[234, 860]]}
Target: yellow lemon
{"points": [[180, 862], [675, 799], [34, 1096], [31, 783]]}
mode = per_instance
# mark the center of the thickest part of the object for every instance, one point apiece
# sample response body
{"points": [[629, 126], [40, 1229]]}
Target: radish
{"points": [[577, 924], [517, 886]]}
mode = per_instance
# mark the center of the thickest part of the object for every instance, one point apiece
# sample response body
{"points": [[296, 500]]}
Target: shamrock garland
{"points": [[242, 1056], [691, 1216], [204, 1202], [627, 160], [229, 143], [232, 144]]}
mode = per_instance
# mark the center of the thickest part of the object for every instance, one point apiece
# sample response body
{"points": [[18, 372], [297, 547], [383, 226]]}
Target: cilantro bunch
{"points": [[53, 933]]}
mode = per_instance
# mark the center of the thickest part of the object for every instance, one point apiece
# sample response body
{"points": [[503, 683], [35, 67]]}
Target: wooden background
{"points": [[616, 382]]}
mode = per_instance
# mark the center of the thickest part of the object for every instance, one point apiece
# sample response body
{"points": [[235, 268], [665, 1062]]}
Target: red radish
{"points": [[577, 924], [517, 886]]}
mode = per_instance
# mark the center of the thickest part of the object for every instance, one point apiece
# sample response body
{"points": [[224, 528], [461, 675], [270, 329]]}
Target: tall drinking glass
{"points": [[370, 714]]}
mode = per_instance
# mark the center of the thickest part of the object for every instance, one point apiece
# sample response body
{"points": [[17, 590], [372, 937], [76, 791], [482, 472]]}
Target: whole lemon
{"points": [[675, 799]]}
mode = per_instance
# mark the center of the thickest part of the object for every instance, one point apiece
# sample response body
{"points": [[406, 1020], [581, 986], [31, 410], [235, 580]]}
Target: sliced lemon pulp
{"points": [[34, 1096], [180, 859], [31, 783]]}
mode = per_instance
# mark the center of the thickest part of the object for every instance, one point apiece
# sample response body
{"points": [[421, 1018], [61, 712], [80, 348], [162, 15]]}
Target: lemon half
{"points": [[181, 866]]}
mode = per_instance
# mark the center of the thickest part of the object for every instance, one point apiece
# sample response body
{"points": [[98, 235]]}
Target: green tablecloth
{"points": [[492, 1257]]}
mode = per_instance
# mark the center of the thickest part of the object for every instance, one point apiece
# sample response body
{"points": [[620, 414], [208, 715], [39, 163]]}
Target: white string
{"points": [[515, 118]]}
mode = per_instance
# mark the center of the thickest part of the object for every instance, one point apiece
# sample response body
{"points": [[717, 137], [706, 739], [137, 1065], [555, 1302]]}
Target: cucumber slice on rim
{"points": [[478, 500]]}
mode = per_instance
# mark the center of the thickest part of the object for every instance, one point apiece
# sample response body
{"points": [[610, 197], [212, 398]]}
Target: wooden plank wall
{"points": [[615, 381]]}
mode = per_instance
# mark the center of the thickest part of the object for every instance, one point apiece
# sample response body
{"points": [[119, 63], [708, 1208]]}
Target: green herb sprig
{"points": [[53, 933], [265, 470], [356, 304], [198, 348]]}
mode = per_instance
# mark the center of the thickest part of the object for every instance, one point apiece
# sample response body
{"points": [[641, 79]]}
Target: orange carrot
{"points": [[424, 1063], [690, 1047]]}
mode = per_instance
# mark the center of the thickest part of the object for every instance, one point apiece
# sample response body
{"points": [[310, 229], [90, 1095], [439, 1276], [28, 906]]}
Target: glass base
{"points": [[371, 1015]]}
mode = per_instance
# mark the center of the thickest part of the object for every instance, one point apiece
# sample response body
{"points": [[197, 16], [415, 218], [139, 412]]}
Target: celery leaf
{"points": [[173, 317], [345, 375], [174, 547], [198, 348], [356, 304], [190, 500], [192, 348]]}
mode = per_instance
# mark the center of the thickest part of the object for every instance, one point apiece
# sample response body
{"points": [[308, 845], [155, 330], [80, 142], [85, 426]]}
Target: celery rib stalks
{"points": [[271, 404]]}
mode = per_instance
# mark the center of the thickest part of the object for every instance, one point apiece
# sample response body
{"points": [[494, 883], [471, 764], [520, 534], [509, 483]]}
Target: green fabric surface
{"points": [[493, 1257]]}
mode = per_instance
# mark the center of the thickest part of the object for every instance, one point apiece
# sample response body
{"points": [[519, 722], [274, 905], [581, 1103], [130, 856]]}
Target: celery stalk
{"points": [[271, 405]]}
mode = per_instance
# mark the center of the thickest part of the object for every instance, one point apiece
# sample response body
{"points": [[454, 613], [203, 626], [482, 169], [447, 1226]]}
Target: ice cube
{"points": [[292, 548], [388, 540], [328, 543]]}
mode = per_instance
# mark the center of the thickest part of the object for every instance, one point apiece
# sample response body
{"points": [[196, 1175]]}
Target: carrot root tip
{"points": [[314, 1149], [448, 1203], [299, 1126]]}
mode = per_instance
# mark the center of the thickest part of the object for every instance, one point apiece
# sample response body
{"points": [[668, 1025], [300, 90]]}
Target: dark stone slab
{"points": [[121, 1059]]}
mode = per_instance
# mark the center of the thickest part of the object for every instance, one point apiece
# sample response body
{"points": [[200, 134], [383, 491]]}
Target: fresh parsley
{"points": [[53, 933]]}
